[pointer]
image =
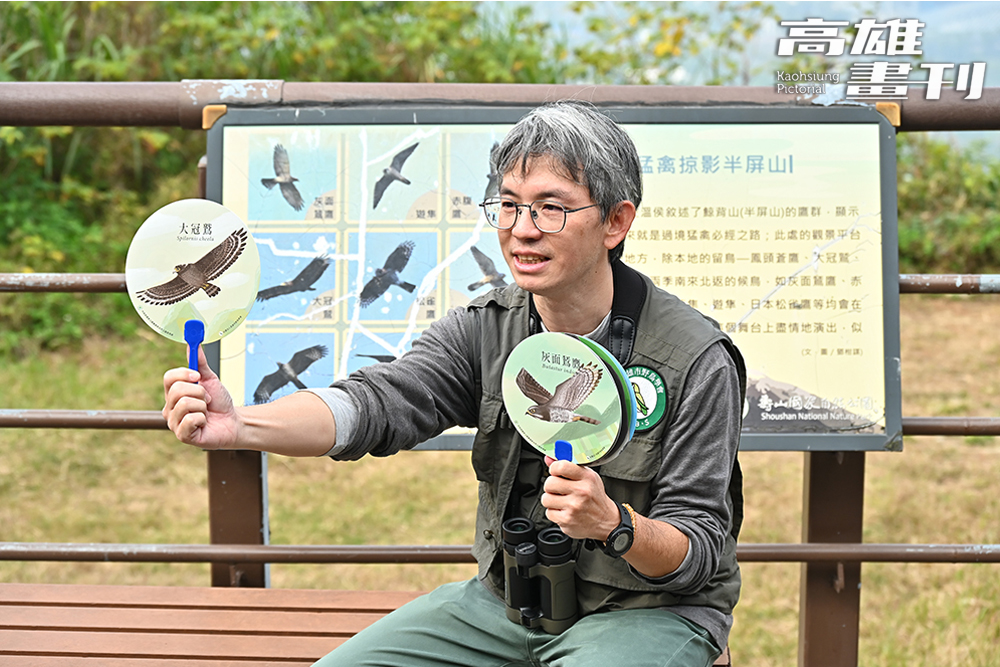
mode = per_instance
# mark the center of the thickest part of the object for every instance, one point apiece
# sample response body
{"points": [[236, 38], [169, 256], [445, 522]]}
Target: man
{"points": [[570, 185]]}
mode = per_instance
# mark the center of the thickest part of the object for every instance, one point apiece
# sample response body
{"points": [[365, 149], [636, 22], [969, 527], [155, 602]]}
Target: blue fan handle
{"points": [[564, 451], [194, 334]]}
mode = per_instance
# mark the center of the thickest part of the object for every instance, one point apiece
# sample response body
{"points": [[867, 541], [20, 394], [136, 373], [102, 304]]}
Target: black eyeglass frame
{"points": [[531, 213]]}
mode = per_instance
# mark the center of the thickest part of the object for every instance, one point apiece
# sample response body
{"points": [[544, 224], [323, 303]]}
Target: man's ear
{"points": [[618, 223]]}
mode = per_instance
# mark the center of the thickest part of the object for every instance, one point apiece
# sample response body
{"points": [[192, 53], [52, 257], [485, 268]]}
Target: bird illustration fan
{"points": [[192, 261], [558, 386]]}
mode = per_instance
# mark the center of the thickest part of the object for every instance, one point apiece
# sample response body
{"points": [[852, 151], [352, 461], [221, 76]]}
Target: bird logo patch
{"points": [[650, 396]]}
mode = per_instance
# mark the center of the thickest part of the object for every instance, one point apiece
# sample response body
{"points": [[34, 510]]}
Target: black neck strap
{"points": [[630, 294]]}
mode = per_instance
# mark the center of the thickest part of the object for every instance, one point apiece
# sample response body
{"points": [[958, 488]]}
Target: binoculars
{"points": [[539, 589]]}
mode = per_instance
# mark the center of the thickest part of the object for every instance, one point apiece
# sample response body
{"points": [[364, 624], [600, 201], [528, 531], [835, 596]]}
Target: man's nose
{"points": [[524, 226]]}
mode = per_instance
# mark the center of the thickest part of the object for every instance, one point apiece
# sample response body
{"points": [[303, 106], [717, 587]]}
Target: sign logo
{"points": [[650, 396], [873, 79]]}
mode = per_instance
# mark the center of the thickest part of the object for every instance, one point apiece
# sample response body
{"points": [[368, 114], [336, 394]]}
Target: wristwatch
{"points": [[621, 538]]}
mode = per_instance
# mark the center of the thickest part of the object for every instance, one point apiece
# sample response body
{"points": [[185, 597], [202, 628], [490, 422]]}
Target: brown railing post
{"points": [[830, 593], [237, 512]]}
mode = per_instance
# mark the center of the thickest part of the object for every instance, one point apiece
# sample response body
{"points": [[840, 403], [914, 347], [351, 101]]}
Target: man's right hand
{"points": [[198, 408]]}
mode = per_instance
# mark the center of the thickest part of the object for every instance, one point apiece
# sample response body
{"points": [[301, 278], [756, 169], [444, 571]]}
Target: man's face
{"points": [[555, 265]]}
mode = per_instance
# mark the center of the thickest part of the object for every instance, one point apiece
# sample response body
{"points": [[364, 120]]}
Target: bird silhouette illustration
{"points": [[288, 372], [559, 407], [198, 275], [490, 274], [301, 283], [284, 179], [493, 178], [393, 173], [388, 275]]}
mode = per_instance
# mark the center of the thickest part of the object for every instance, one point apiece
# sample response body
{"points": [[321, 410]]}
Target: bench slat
{"points": [[62, 661], [226, 621], [159, 645], [193, 597]]}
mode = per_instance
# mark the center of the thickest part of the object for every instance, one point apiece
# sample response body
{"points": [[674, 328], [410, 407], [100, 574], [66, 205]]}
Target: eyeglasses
{"points": [[548, 216]]}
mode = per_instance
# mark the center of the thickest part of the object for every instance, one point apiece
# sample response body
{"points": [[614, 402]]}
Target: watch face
{"points": [[621, 542]]}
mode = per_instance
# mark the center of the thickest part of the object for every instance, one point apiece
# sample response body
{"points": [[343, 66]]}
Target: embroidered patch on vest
{"points": [[650, 396]]}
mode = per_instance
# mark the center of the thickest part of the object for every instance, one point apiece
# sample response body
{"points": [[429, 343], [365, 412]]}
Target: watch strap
{"points": [[631, 515], [627, 524]]}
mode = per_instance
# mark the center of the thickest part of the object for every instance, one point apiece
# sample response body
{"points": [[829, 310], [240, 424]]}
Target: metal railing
{"points": [[230, 554], [146, 419]]}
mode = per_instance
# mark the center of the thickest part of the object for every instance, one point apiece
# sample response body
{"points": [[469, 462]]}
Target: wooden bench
{"points": [[52, 625], [59, 625]]}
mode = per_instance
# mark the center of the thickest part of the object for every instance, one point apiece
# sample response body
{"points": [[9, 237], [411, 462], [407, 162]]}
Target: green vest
{"points": [[670, 337]]}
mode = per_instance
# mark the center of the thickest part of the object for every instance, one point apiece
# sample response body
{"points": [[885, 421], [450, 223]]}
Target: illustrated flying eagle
{"points": [[301, 283], [489, 269], [289, 372], [559, 407], [283, 178], [388, 275], [393, 173], [193, 277]]}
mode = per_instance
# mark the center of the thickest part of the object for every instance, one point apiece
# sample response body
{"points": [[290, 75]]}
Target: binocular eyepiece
{"points": [[540, 588]]}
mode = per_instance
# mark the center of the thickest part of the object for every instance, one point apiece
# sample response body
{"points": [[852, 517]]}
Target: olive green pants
{"points": [[463, 624]]}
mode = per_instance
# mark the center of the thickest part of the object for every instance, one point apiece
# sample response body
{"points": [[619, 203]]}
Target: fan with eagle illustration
{"points": [[558, 386], [215, 267]]}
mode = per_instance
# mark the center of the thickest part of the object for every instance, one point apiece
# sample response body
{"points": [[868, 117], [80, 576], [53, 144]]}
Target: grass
{"points": [[106, 486]]}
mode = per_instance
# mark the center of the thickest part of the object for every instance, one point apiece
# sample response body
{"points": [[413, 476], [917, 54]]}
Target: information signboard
{"points": [[779, 223]]}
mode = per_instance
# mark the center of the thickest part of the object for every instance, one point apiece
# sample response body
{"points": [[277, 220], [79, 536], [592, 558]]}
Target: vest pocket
{"points": [[484, 453], [639, 461], [598, 568]]}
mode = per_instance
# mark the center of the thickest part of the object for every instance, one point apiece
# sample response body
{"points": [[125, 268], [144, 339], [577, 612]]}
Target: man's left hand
{"points": [[575, 500]]}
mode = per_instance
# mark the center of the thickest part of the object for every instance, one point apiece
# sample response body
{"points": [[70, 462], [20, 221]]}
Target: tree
{"points": [[659, 42], [87, 189]]}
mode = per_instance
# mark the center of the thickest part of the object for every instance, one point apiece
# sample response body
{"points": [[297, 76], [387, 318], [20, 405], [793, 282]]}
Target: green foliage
{"points": [[642, 43], [74, 197], [64, 214], [301, 41], [948, 217]]}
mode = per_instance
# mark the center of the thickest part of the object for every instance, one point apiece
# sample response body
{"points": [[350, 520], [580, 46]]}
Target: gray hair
{"points": [[589, 147]]}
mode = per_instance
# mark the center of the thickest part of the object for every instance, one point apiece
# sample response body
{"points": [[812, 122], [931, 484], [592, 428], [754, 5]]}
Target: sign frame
{"points": [[888, 439]]}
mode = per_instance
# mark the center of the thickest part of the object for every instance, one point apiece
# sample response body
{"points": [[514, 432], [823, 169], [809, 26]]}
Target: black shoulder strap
{"points": [[630, 294], [534, 319]]}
